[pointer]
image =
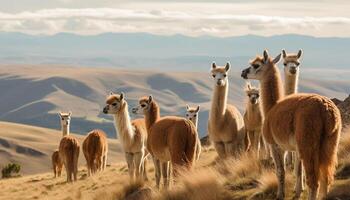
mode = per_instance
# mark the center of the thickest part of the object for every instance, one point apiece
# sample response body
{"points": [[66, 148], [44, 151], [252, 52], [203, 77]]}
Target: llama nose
{"points": [[105, 110], [293, 70], [134, 110], [245, 73]]}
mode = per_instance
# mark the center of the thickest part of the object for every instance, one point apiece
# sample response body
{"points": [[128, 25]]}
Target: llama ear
{"points": [[187, 107], [122, 96], [284, 53], [227, 67], [70, 113], [150, 99], [265, 56], [213, 65], [111, 93], [300, 52], [59, 113], [277, 59], [249, 87], [198, 108]]}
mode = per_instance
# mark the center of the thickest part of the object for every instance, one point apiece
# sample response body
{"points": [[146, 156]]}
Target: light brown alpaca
{"points": [[309, 124], [95, 149], [170, 138], [69, 148], [253, 118], [192, 114], [291, 63], [133, 134], [225, 125], [56, 164]]}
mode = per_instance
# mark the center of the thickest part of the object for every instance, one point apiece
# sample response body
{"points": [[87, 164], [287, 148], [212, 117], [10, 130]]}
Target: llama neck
{"points": [[195, 121], [153, 115], [271, 89], [291, 82], [219, 102], [65, 130], [123, 125], [253, 109]]}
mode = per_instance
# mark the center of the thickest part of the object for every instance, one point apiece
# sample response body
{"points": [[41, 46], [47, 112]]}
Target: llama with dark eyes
{"points": [[192, 114]]}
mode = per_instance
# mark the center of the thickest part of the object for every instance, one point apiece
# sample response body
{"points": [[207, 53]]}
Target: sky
{"points": [[220, 18]]}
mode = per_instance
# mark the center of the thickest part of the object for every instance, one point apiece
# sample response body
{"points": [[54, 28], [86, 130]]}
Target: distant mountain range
{"points": [[170, 53]]}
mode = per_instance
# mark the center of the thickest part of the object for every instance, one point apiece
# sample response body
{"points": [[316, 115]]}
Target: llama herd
{"points": [[294, 129]]}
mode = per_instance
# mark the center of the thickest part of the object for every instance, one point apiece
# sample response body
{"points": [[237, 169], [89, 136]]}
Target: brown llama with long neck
{"points": [[133, 134], [291, 63], [170, 139], [69, 148], [225, 125], [192, 114], [253, 118], [309, 124], [95, 149], [57, 163]]}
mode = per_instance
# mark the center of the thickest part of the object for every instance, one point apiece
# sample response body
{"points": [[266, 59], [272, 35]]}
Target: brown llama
{"points": [[291, 63], [170, 139], [309, 124], [225, 125], [133, 134], [57, 164], [253, 118], [192, 114], [69, 148], [95, 149]]}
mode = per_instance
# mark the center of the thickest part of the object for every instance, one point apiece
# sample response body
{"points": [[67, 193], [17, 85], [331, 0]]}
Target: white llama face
{"points": [[220, 74], [253, 96], [113, 104], [192, 113], [65, 118], [291, 62]]}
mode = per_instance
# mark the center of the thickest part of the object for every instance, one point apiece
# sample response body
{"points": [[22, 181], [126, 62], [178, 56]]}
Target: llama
{"points": [[57, 164], [225, 125], [69, 148], [309, 124], [170, 138], [291, 64], [95, 149], [253, 118], [133, 134], [192, 114]]}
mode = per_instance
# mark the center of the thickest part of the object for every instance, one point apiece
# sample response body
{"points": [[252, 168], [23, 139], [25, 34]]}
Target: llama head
{"points": [[260, 66], [252, 93], [144, 105], [192, 113], [220, 74], [65, 118], [114, 103], [291, 62]]}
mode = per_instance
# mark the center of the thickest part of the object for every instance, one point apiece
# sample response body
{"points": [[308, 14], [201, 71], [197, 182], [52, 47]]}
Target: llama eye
{"points": [[225, 75], [255, 66], [194, 115], [297, 64], [214, 75], [62, 118], [143, 105], [187, 115], [285, 64], [114, 104]]}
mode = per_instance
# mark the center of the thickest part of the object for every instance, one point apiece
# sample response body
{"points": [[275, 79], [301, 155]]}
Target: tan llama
{"points": [[133, 134], [192, 114], [170, 138], [225, 125], [57, 164], [309, 124], [253, 118], [95, 149], [69, 148], [291, 63]]}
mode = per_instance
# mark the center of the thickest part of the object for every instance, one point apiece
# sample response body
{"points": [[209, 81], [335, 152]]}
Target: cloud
{"points": [[156, 21]]}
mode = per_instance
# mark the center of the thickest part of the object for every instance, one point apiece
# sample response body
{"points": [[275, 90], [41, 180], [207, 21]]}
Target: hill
{"points": [[32, 147]]}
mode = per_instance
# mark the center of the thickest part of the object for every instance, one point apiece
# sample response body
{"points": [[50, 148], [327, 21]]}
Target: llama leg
{"points": [[277, 155], [299, 185], [230, 149], [289, 160], [220, 149], [144, 170], [104, 162], [157, 171], [255, 141], [131, 166], [324, 186], [267, 149], [55, 171], [138, 164], [165, 173]]}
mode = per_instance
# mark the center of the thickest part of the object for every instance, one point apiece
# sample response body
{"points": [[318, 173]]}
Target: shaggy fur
{"points": [[291, 63], [309, 124], [192, 114], [253, 118], [225, 125], [169, 139], [69, 153], [95, 149], [133, 134], [57, 164]]}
